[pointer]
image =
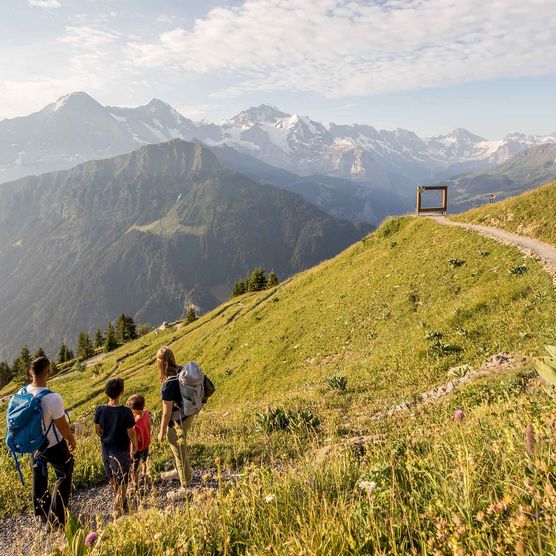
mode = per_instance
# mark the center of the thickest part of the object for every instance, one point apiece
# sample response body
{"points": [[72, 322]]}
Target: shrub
{"points": [[518, 270], [456, 263], [338, 383], [278, 419]]}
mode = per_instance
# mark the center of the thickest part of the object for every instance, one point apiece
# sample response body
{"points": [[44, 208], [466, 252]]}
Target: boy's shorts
{"points": [[139, 458], [116, 465]]}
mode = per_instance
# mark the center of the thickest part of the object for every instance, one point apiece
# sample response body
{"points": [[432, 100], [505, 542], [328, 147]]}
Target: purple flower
{"points": [[458, 414], [91, 538]]}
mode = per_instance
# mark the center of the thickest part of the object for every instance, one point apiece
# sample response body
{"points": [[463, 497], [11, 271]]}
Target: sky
{"points": [[425, 65]]}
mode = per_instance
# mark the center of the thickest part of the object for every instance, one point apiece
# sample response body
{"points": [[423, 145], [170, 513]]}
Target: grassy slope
{"points": [[363, 314], [530, 214]]}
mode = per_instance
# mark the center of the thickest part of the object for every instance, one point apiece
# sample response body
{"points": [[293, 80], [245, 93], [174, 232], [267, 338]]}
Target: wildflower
{"points": [[269, 498], [367, 486], [91, 538], [458, 414]]}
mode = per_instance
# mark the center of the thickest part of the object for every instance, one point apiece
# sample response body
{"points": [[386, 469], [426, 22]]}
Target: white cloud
{"points": [[87, 37], [164, 18], [45, 3], [197, 111], [348, 48]]}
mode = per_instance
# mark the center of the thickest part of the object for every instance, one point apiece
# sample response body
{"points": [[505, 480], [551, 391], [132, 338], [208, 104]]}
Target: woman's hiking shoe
{"points": [[175, 495], [169, 475]]}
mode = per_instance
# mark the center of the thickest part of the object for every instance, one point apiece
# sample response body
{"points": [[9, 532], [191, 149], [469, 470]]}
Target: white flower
{"points": [[367, 486], [269, 498]]}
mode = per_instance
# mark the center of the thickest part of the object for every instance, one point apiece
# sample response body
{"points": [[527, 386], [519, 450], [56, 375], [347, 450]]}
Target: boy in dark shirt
{"points": [[115, 425]]}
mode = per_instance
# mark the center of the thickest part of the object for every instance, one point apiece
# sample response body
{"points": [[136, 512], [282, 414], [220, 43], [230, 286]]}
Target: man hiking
{"points": [[51, 507]]}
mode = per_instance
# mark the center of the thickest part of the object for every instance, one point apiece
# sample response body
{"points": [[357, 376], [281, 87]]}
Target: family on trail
{"points": [[37, 424]]}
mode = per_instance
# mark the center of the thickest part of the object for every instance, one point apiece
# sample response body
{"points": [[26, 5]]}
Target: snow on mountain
{"points": [[77, 128]]}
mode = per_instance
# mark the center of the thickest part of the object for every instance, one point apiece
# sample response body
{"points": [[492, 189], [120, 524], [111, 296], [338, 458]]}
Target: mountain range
{"points": [[77, 128], [146, 233], [525, 170]]}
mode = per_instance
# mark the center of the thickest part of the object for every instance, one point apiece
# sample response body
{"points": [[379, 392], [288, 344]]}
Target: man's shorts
{"points": [[139, 458], [116, 465]]}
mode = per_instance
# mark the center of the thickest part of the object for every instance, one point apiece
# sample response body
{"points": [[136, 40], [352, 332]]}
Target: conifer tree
{"points": [[257, 280], [272, 280], [99, 338], [5, 374], [21, 365], [39, 353], [239, 288], [190, 316], [85, 347], [131, 329], [63, 354], [125, 329], [110, 342], [69, 354]]}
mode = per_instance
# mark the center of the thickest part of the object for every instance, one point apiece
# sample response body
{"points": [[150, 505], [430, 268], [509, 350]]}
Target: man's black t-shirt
{"points": [[115, 422], [170, 392]]}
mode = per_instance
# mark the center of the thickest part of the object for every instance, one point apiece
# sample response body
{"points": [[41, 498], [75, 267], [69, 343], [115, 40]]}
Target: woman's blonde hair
{"points": [[166, 363]]}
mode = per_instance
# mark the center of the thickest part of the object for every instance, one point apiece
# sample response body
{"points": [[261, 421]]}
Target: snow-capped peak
{"points": [[78, 99], [261, 113], [157, 104]]}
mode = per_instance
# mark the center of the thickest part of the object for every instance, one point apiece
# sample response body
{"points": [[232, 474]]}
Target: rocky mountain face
{"points": [[389, 159], [145, 233], [525, 170], [77, 128], [342, 198]]}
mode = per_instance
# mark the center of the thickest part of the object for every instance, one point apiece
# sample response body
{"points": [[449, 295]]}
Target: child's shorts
{"points": [[116, 465], [139, 458]]}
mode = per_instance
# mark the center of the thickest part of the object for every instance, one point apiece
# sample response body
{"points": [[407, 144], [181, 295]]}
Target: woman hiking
{"points": [[174, 424]]}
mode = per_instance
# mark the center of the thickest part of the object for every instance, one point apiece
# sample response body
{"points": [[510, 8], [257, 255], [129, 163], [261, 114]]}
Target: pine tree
{"points": [[21, 366], [63, 354], [110, 342], [85, 348], [99, 338], [5, 374], [131, 329], [272, 280], [69, 354], [239, 288], [39, 353], [190, 316], [125, 329], [257, 280]]}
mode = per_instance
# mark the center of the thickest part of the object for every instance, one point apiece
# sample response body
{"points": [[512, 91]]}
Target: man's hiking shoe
{"points": [[170, 475], [175, 495]]}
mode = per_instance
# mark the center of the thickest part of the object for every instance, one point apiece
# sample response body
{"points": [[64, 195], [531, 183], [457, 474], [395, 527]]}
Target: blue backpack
{"points": [[25, 425]]}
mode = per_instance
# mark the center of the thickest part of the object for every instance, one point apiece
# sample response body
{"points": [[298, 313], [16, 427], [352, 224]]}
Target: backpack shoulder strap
{"points": [[43, 393]]}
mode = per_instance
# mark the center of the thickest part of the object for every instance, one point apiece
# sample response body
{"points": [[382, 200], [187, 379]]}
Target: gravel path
{"points": [[25, 535], [532, 247]]}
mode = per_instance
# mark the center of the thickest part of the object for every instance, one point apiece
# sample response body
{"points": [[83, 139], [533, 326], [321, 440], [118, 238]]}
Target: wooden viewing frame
{"points": [[442, 209]]}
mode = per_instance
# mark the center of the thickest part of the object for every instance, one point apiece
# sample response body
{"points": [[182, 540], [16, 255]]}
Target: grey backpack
{"points": [[192, 388]]}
